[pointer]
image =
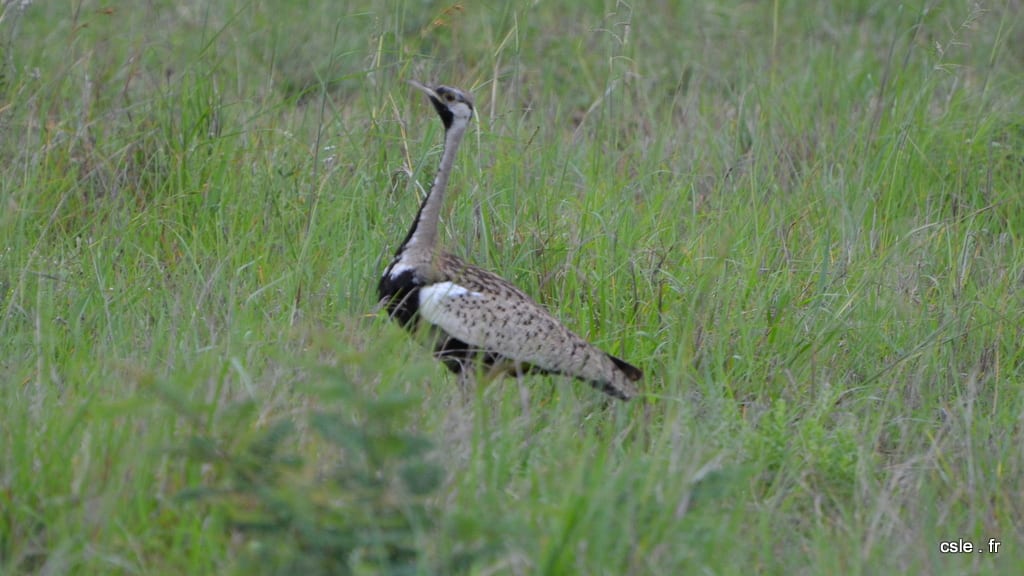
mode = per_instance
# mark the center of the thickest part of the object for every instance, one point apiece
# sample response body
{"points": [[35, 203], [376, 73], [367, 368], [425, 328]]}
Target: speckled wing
{"points": [[487, 312]]}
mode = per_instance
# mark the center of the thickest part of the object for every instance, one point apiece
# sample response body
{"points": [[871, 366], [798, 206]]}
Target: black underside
{"points": [[459, 356], [401, 296]]}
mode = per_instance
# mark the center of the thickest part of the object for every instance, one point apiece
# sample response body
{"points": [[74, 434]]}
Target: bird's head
{"points": [[453, 105]]}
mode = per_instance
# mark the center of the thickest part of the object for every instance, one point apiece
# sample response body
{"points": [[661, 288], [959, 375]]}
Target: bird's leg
{"points": [[458, 426], [467, 382], [524, 392]]}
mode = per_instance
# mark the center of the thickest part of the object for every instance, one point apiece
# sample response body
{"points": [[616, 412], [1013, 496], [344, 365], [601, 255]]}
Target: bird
{"points": [[476, 317]]}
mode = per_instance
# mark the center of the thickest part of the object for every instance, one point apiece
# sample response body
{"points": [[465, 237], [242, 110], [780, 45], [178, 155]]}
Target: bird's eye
{"points": [[449, 97]]}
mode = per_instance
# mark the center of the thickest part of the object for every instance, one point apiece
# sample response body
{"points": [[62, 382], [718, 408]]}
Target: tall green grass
{"points": [[802, 220]]}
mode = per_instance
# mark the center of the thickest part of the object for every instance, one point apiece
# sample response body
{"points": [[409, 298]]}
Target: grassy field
{"points": [[804, 222]]}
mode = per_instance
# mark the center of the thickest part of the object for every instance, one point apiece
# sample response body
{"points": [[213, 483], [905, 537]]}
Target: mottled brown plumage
{"points": [[476, 315]]}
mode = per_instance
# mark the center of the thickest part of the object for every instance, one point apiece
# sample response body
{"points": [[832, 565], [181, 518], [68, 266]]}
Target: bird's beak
{"points": [[425, 89]]}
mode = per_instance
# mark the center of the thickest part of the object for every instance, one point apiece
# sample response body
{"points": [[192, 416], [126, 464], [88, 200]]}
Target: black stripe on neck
{"points": [[419, 213], [415, 223]]}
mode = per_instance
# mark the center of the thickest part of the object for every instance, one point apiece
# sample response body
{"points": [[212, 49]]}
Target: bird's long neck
{"points": [[423, 234]]}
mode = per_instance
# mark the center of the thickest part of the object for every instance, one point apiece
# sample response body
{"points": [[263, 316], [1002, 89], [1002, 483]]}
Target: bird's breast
{"points": [[398, 290]]}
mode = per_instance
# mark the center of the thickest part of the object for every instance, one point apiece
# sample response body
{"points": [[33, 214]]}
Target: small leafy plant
{"points": [[357, 499]]}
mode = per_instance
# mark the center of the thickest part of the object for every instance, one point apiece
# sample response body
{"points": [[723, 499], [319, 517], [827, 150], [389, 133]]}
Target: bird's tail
{"points": [[631, 372], [619, 383]]}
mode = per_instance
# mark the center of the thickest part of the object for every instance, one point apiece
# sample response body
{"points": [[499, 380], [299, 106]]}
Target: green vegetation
{"points": [[804, 222]]}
